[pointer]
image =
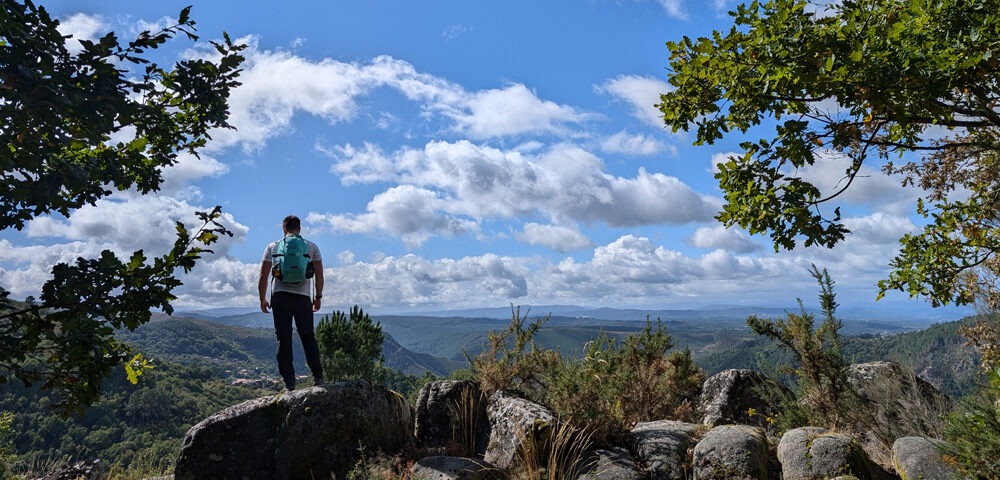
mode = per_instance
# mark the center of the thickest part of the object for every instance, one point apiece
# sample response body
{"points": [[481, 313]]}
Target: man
{"points": [[292, 300]]}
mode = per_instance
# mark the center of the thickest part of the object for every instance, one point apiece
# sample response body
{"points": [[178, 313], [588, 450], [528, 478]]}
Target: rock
{"points": [[727, 396], [898, 404], [306, 433], [454, 468], [812, 452], [513, 419], [661, 447], [450, 412], [610, 464], [733, 452], [80, 470], [920, 458]]}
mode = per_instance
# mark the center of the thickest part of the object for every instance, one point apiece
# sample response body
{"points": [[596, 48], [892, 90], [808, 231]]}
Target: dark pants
{"points": [[285, 307]]}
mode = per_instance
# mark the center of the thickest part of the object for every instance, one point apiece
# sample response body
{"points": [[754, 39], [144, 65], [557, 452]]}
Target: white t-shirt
{"points": [[301, 288]]}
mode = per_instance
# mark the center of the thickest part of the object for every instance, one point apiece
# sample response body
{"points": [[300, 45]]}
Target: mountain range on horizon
{"points": [[906, 314]]}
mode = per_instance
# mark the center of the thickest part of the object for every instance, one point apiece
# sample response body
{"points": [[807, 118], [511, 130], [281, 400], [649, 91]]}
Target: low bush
{"points": [[613, 385]]}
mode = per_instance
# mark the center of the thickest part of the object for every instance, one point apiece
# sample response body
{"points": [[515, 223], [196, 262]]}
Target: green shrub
{"points": [[611, 386], [6, 444], [973, 433]]}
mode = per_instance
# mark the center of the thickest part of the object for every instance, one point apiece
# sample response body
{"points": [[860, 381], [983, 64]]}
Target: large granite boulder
{"points": [[919, 458], [727, 397], [307, 433], [454, 468], [733, 452], [810, 453], [896, 404], [514, 420], [452, 412], [608, 464], [661, 447]]}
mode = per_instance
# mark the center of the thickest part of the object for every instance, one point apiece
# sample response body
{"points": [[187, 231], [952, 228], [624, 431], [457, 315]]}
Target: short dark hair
{"points": [[291, 223]]}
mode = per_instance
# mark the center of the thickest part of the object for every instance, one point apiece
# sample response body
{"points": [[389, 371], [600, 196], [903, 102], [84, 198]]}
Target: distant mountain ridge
{"points": [[206, 341]]}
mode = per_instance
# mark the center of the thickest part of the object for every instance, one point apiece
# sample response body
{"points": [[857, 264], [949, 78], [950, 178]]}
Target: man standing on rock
{"points": [[291, 262]]}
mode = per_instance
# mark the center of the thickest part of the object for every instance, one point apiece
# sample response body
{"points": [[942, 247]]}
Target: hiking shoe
{"points": [[318, 381]]}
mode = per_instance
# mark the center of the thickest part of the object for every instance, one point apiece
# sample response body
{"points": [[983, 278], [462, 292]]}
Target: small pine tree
{"points": [[350, 346]]}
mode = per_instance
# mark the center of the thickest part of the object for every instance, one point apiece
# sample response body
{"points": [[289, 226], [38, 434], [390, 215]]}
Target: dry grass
{"points": [[553, 453], [469, 410]]}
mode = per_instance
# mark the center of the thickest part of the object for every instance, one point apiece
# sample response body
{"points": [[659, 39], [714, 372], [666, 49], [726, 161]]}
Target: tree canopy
{"points": [[913, 85], [61, 110]]}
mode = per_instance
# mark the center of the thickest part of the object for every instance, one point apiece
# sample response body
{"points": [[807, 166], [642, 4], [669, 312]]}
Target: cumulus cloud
{"points": [[277, 84], [639, 144], [461, 180], [81, 26], [871, 187], [411, 213], [731, 239], [126, 223], [642, 93], [559, 238]]}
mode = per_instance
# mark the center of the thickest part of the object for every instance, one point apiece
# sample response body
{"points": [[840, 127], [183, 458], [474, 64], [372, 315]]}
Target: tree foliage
{"points": [[915, 82], [350, 346], [60, 111]]}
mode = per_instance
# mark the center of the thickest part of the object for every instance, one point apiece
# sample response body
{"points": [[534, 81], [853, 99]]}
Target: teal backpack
{"points": [[291, 260]]}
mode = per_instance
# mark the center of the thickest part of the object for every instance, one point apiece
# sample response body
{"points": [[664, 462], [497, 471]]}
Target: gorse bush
{"points": [[618, 383], [614, 384], [820, 371]]}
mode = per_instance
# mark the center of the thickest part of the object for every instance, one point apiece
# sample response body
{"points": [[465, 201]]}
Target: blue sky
{"points": [[461, 154]]}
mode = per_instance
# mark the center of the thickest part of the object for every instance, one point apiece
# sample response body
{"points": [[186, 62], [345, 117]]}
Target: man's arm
{"points": [[318, 278], [265, 272]]}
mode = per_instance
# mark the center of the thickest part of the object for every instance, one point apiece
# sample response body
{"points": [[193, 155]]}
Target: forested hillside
{"points": [[206, 342], [141, 424]]}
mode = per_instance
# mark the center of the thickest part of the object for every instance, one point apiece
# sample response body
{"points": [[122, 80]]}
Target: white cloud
{"points": [[871, 187], [82, 27], [718, 158], [512, 110], [674, 8], [731, 239], [125, 223], [564, 183], [639, 144], [559, 238], [454, 32], [411, 213], [642, 93], [276, 85], [190, 168]]}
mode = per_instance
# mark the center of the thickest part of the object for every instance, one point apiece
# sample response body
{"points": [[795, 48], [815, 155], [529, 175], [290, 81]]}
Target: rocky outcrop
{"points": [[733, 452], [513, 420], [80, 470], [661, 447], [308, 433], [452, 411], [608, 464], [896, 403], [728, 396], [811, 452], [454, 468], [918, 458]]}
